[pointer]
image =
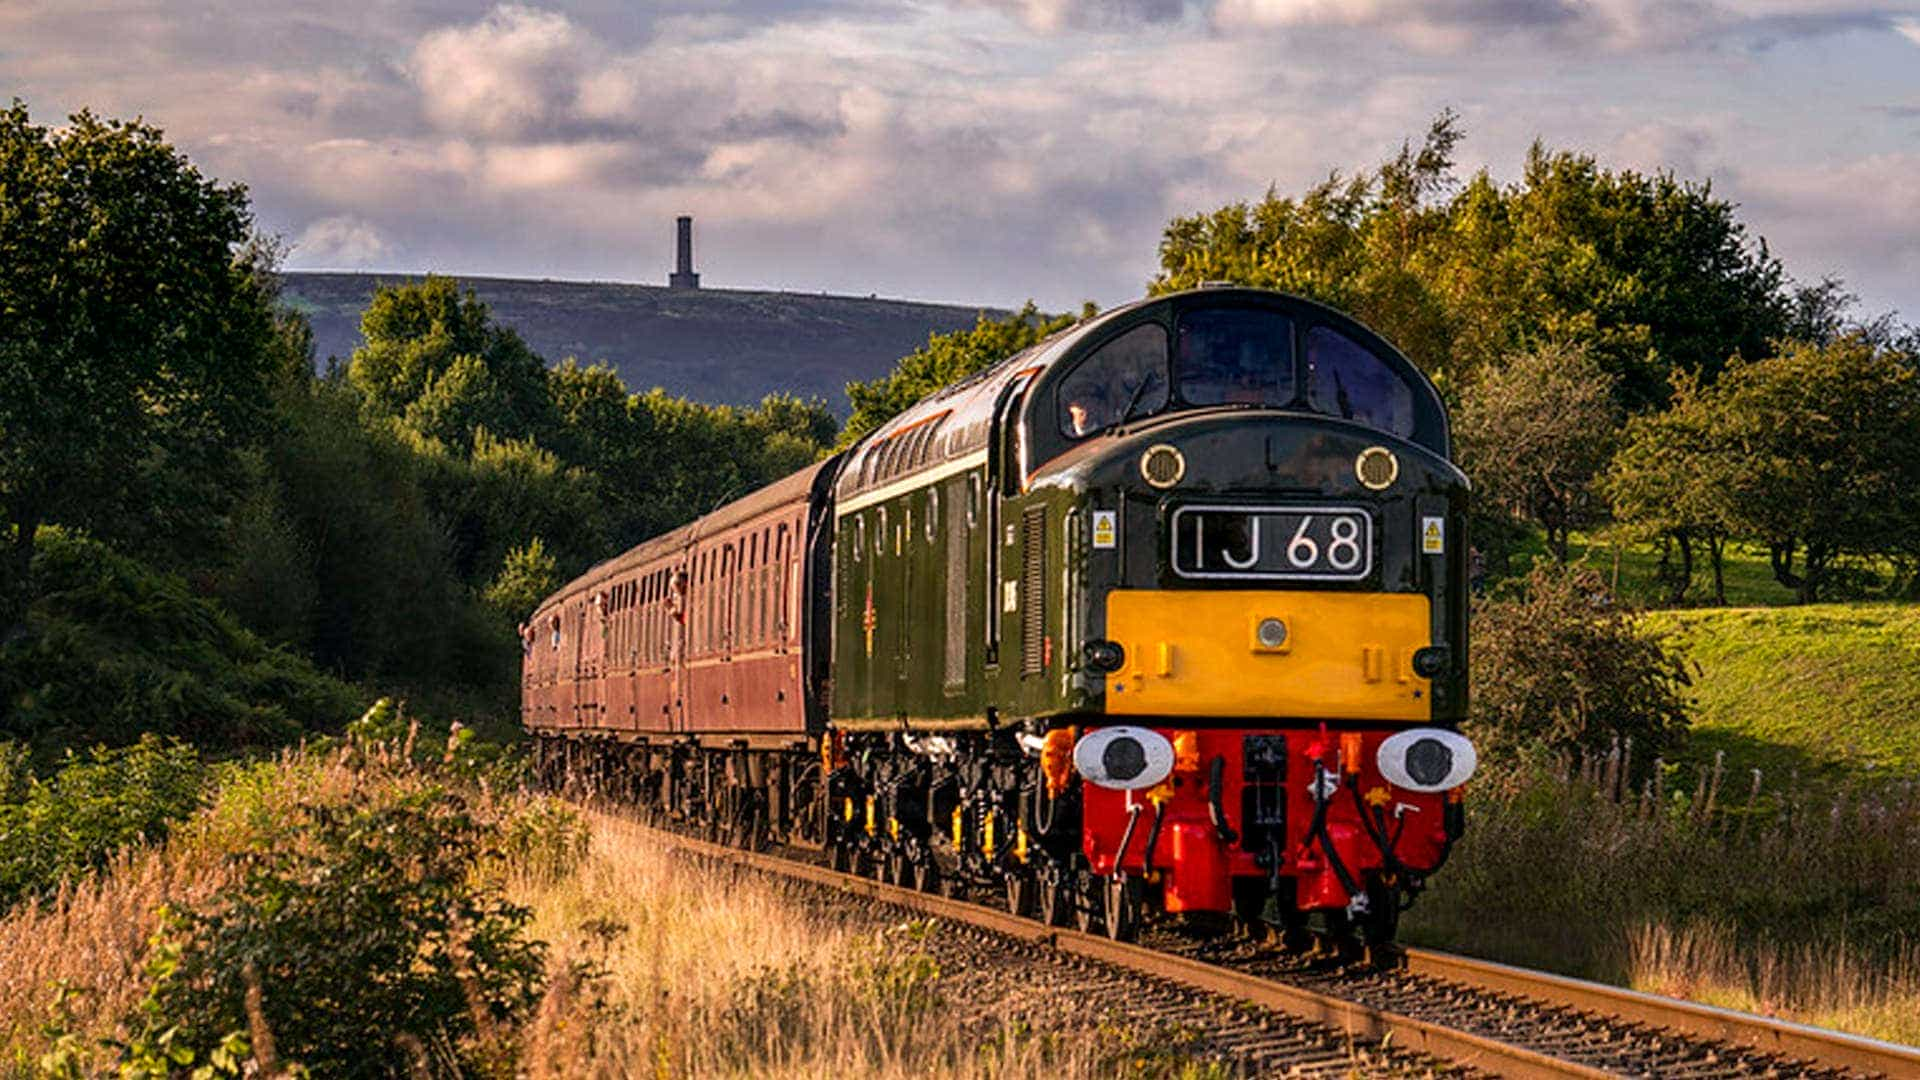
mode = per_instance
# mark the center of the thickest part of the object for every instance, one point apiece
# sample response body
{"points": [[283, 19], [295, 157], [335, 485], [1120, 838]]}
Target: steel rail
{"points": [[1349, 1017], [1767, 1034]]}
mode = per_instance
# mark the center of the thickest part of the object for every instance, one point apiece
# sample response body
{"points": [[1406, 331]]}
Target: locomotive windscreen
{"points": [[1236, 356], [1347, 380]]}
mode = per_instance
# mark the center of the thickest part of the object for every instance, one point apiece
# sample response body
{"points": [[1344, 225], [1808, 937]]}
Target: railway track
{"points": [[1406, 1010]]}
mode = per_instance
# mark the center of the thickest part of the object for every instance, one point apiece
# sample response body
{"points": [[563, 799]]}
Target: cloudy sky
{"points": [[979, 151]]}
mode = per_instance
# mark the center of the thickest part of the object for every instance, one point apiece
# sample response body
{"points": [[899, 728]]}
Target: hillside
{"points": [[712, 345]]}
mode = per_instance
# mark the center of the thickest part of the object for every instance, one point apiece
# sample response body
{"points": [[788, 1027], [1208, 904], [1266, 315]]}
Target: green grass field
{"points": [[1826, 689]]}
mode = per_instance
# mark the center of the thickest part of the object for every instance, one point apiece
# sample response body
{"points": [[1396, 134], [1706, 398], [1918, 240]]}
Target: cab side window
{"points": [[1125, 378], [1347, 380]]}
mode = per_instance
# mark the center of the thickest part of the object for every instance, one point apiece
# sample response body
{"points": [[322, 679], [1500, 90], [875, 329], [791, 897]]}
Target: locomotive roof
{"points": [[954, 422]]}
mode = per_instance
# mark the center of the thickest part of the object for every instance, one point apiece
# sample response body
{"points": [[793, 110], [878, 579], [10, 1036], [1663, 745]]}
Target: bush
{"points": [[362, 944], [1559, 667], [71, 822], [113, 649]]}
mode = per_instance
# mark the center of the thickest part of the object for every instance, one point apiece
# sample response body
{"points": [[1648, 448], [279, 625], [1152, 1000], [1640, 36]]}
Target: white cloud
{"points": [[1859, 219], [1909, 29], [513, 74], [340, 242], [1446, 26]]}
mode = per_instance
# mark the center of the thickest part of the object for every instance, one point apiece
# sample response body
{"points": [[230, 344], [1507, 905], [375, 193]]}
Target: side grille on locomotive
{"points": [[1033, 590], [957, 530]]}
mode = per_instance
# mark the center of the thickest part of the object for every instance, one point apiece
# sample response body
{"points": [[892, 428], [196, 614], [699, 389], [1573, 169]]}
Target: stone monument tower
{"points": [[683, 276]]}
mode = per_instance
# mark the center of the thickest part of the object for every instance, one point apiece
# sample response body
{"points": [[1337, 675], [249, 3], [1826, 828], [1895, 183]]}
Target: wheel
{"points": [[1054, 903], [1250, 906], [1339, 925], [1020, 893], [1125, 903], [1382, 920], [1087, 903], [924, 875]]}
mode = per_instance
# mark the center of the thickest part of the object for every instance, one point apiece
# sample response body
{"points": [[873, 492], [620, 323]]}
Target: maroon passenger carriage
{"points": [[692, 641]]}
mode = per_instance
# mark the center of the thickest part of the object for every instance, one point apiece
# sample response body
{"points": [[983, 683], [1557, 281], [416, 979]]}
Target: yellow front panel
{"points": [[1346, 655]]}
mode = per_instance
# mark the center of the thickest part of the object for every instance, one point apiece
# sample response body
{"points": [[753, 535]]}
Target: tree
{"points": [[435, 356], [526, 576], [946, 359], [1534, 435], [134, 322], [1667, 481], [1650, 274], [1819, 456]]}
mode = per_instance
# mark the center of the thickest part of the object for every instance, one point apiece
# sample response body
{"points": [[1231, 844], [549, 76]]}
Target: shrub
{"points": [[1559, 667], [90, 808], [362, 944]]}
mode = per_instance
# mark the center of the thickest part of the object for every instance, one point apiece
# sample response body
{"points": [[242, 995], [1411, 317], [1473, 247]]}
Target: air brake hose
{"points": [[1318, 830], [1389, 848], [1153, 839], [1374, 830], [1215, 777]]}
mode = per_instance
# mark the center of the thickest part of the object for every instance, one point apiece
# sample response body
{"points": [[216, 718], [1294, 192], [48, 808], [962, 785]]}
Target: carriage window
{"points": [[781, 625], [1236, 356], [1347, 380], [1124, 378]]}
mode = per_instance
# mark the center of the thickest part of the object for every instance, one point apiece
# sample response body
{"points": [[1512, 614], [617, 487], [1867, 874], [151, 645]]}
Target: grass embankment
{"points": [[1826, 690], [1632, 570]]}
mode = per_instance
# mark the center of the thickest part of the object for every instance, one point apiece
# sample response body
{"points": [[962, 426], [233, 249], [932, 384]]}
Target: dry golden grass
{"points": [[710, 972], [91, 936], [1829, 987], [658, 967]]}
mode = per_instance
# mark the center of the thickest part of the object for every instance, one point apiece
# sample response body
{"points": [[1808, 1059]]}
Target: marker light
{"points": [[1127, 758], [1427, 759]]}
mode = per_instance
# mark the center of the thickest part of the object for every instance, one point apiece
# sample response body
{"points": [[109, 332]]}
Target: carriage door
{"points": [[679, 634], [1003, 463]]}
